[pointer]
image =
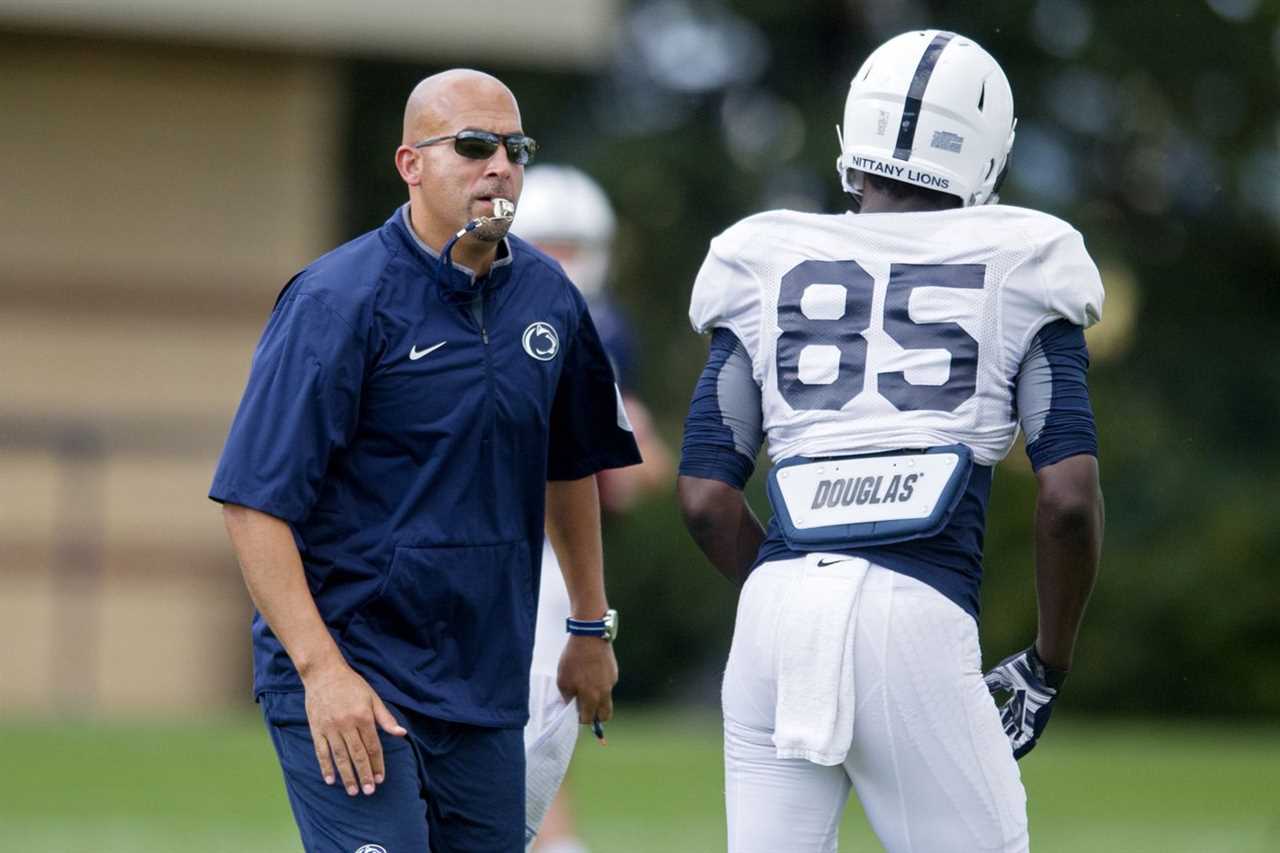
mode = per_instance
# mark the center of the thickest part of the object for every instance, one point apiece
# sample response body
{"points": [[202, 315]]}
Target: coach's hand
{"points": [[1032, 688], [345, 714], [588, 670]]}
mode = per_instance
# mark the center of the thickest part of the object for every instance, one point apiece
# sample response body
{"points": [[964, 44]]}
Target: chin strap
{"points": [[850, 179]]}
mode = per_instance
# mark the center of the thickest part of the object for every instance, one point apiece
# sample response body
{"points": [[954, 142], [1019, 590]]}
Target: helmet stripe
{"points": [[911, 110]]}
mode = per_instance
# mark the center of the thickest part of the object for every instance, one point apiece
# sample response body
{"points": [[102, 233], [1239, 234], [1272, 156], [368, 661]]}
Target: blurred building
{"points": [[165, 166]]}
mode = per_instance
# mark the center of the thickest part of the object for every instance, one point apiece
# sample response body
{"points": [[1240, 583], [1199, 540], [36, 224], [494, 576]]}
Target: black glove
{"points": [[1033, 688]]}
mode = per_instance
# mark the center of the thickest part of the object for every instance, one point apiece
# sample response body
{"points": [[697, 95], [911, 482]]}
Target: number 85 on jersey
{"points": [[825, 328]]}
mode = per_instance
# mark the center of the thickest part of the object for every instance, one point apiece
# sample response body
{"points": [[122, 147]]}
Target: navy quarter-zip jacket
{"points": [[404, 420]]}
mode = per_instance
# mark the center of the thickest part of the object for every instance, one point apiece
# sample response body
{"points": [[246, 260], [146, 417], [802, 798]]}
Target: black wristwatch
{"points": [[606, 627]]}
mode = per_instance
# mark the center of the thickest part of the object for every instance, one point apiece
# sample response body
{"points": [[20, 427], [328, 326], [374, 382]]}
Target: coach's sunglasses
{"points": [[481, 145]]}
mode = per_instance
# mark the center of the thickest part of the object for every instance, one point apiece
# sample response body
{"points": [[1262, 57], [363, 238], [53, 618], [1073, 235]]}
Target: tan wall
{"points": [[161, 170], [152, 202], [552, 33]]}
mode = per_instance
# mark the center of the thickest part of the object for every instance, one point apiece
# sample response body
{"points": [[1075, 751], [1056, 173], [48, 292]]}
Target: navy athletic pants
{"points": [[450, 787]]}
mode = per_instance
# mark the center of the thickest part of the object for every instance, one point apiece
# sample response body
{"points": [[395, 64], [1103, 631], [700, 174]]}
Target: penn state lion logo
{"points": [[372, 848], [541, 341]]}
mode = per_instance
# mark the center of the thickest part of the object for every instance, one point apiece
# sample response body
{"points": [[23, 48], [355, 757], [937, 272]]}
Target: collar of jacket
{"points": [[457, 283]]}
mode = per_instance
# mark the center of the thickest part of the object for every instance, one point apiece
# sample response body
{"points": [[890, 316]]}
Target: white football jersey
{"points": [[884, 331]]}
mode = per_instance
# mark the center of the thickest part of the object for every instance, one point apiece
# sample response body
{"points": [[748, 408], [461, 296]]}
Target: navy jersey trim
{"points": [[950, 562], [722, 433], [1052, 395]]}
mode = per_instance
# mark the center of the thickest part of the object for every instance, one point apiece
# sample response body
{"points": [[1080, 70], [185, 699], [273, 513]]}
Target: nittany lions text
{"points": [[899, 173]]}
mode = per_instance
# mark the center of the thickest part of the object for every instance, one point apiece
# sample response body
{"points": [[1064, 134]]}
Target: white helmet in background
{"points": [[565, 213], [932, 109]]}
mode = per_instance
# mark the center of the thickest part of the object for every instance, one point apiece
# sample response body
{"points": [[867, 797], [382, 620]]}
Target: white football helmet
{"points": [[565, 213], [932, 109]]}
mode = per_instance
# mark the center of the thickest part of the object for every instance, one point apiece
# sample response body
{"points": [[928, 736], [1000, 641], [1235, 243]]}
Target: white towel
{"points": [[814, 659], [548, 745]]}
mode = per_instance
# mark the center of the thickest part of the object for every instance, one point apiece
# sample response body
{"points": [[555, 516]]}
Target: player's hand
{"points": [[588, 670], [1032, 688], [345, 714]]}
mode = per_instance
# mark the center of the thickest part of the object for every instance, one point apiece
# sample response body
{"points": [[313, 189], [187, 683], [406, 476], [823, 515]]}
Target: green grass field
{"points": [[213, 786]]}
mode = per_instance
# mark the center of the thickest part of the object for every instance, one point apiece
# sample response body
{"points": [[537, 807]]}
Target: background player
{"points": [[891, 357], [567, 215]]}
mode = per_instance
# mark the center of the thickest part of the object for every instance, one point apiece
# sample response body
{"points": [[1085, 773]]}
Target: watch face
{"points": [[611, 625]]}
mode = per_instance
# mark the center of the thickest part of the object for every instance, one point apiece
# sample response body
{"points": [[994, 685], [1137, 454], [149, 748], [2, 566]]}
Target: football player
{"points": [[567, 215], [891, 355]]}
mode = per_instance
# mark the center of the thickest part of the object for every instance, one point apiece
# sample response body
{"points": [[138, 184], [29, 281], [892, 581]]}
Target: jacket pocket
{"points": [[457, 621]]}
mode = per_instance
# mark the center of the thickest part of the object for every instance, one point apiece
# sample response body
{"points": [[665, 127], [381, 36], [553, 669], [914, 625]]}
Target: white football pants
{"points": [[929, 760], [552, 730]]}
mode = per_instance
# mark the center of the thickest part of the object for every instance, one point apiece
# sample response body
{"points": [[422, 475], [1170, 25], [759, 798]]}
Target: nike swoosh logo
{"points": [[415, 353], [831, 562]]}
